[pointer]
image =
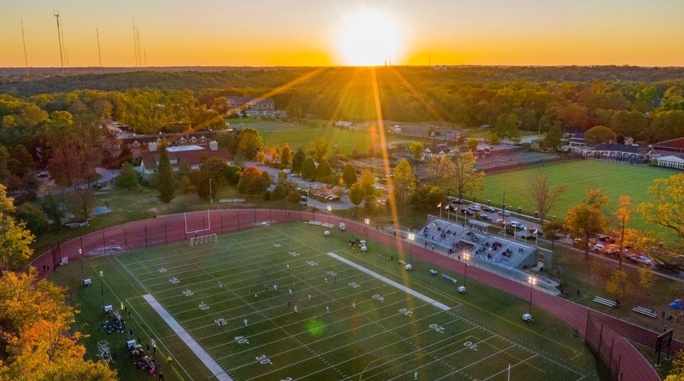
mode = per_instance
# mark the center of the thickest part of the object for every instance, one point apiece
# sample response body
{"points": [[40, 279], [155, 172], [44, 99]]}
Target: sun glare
{"points": [[369, 38]]}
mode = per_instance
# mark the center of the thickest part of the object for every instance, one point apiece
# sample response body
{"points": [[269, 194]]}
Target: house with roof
{"points": [[138, 144], [345, 125], [438, 150], [192, 155], [669, 153], [251, 103]]}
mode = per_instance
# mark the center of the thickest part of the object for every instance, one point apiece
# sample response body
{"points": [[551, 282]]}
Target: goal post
{"points": [[194, 241]]}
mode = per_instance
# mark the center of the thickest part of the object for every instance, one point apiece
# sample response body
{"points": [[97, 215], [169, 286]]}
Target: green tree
{"points": [[81, 200], [507, 126], [128, 177], [349, 175], [52, 207], [472, 144], [416, 149], [427, 197], [440, 171], [543, 195], [298, 160], [585, 220], [34, 217], [553, 137], [553, 230], [252, 181], [599, 134], [164, 180], [318, 149], [4, 164], [15, 243], [323, 170], [309, 169], [404, 182], [356, 194], [250, 142], [467, 179], [619, 283]]}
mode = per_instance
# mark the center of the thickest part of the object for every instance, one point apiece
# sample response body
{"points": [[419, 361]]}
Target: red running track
{"points": [[625, 361]]}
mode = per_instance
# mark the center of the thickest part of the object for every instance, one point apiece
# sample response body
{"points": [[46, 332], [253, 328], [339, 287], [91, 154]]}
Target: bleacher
{"points": [[486, 247]]}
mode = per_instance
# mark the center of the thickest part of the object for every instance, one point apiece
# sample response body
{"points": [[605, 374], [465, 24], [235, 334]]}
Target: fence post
{"points": [[125, 240], [238, 218], [166, 234], [600, 340], [617, 369], [586, 327], [610, 361], [145, 235]]}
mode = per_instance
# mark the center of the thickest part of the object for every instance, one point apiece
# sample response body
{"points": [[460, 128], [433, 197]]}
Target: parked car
{"points": [[598, 247], [475, 207], [504, 213], [455, 200], [485, 217], [517, 225], [489, 209], [639, 259]]}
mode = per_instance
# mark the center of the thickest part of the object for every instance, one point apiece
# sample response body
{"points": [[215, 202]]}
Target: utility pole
{"points": [[24, 39], [59, 36], [99, 56]]}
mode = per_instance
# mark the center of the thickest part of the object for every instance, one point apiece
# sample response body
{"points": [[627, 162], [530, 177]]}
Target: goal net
{"points": [[202, 239]]}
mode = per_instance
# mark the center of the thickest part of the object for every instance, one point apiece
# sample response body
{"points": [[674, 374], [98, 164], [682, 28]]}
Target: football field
{"points": [[286, 303]]}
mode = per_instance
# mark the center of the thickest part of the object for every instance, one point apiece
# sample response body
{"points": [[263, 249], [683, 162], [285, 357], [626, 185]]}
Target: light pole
{"points": [[102, 288], [366, 221], [329, 210], [503, 213], [211, 196], [411, 237], [466, 258], [532, 280], [80, 253]]}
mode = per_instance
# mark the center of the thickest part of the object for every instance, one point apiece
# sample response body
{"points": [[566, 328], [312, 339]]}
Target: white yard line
{"points": [[391, 282], [218, 372]]}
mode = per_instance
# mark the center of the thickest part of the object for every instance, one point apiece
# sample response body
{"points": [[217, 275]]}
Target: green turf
{"points": [[389, 335], [615, 180]]}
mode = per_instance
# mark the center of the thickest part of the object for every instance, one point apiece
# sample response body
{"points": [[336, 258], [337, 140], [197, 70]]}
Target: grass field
{"points": [[358, 317], [615, 180]]}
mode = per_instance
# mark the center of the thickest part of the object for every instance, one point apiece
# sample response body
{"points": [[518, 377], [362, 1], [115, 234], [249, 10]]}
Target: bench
{"points": [[645, 311], [605, 302]]}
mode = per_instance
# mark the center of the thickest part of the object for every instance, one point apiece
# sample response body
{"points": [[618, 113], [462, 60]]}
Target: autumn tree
{"points": [[324, 171], [427, 196], [164, 180], [35, 315], [367, 181], [440, 171], [286, 156], [250, 142], [356, 194], [33, 216], [253, 181], [15, 239], [543, 195], [599, 134], [677, 370], [416, 149], [665, 206], [507, 126], [472, 144], [553, 137], [619, 283], [318, 149], [349, 175], [622, 217], [404, 182], [466, 179], [586, 219]]}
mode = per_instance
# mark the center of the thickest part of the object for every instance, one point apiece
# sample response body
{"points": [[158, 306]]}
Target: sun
{"points": [[369, 38]]}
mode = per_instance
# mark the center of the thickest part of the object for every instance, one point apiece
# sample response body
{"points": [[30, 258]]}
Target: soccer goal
{"points": [[202, 239]]}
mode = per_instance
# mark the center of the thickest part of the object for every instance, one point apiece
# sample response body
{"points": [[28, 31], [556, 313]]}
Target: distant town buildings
{"points": [[192, 155], [251, 103]]}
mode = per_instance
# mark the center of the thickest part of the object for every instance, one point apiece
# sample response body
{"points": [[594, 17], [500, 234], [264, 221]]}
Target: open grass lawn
{"points": [[357, 317], [615, 180]]}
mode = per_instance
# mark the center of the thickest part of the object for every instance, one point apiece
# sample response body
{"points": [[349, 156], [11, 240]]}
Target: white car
{"points": [[475, 207]]}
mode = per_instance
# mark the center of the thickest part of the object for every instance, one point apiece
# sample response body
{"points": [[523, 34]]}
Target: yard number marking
{"points": [[294, 253], [437, 328], [188, 292], [263, 360], [379, 298], [174, 280], [162, 270], [311, 263], [406, 312], [287, 379], [470, 345], [354, 285], [277, 245], [331, 273], [241, 340]]}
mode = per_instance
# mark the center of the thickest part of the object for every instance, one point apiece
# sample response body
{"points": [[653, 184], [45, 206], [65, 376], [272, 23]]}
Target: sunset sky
{"points": [[319, 33]]}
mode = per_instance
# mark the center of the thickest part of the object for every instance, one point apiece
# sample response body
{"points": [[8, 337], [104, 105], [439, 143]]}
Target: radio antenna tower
{"points": [[59, 36], [99, 56], [24, 39]]}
